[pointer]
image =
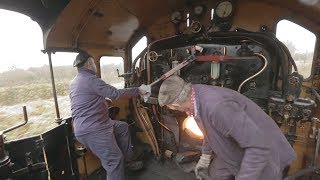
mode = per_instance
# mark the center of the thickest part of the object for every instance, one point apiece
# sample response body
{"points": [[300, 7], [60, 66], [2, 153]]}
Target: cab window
{"points": [[300, 42], [137, 49], [109, 66], [64, 72], [24, 77]]}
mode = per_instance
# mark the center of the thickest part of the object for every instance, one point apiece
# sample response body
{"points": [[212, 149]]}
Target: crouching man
{"points": [[247, 143]]}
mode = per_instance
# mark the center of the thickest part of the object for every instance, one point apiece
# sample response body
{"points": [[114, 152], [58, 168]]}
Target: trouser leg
{"points": [[122, 134], [104, 145]]}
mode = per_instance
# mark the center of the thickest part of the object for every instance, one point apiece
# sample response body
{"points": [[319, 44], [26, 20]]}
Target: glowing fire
{"points": [[192, 128]]}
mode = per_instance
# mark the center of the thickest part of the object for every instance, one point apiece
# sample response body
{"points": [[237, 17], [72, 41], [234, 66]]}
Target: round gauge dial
{"points": [[198, 10], [224, 9]]}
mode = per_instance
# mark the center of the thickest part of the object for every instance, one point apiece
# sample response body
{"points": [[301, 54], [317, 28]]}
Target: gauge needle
{"points": [[224, 12]]}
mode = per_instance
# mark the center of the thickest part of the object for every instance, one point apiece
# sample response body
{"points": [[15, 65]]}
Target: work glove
{"points": [[203, 165], [145, 91]]}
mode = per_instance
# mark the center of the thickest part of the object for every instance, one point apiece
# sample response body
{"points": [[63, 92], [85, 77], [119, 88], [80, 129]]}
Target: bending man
{"points": [[247, 143], [109, 140]]}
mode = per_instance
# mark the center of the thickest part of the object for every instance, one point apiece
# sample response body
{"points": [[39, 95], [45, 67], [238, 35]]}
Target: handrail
{"points": [[25, 115], [3, 155]]}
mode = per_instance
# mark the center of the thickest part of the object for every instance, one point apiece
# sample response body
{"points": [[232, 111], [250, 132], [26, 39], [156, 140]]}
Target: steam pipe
{"points": [[163, 127], [264, 67], [54, 92], [161, 124], [149, 128], [144, 124], [162, 131]]}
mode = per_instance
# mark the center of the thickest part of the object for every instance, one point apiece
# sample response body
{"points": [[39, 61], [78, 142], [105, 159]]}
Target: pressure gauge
{"points": [[224, 9]]}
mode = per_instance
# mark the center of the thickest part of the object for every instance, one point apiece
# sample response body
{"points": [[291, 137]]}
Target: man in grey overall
{"points": [[109, 140], [247, 143]]}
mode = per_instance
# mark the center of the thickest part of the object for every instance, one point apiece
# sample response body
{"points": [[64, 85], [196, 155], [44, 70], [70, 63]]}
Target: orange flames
{"points": [[191, 127]]}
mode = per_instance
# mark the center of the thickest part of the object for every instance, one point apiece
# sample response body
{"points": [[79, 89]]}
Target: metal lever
{"points": [[124, 74], [175, 69]]}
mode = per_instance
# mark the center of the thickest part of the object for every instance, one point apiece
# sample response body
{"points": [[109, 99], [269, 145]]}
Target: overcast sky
{"points": [[21, 42]]}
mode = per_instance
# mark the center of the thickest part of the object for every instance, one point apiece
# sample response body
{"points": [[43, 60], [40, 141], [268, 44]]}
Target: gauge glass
{"points": [[224, 9]]}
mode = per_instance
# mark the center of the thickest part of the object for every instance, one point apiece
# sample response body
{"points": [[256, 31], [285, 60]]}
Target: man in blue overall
{"points": [[247, 143], [109, 140]]}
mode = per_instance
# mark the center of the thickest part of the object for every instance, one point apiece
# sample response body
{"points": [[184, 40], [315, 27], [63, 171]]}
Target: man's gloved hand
{"points": [[203, 165], [145, 91]]}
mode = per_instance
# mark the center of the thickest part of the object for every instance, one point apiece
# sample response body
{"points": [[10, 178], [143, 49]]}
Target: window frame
{"points": [[123, 68], [315, 50]]}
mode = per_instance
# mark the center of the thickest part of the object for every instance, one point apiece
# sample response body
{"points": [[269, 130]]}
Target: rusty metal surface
{"points": [[109, 25]]}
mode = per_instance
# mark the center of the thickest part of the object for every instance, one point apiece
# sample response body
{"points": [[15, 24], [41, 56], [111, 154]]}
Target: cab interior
{"points": [[236, 45]]}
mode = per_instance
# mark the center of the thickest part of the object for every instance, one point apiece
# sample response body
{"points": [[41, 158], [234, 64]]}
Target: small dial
{"points": [[224, 9], [198, 10], [176, 17]]}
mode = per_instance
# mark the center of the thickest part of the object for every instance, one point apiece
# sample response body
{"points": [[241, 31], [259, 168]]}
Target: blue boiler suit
{"points": [[109, 140], [247, 142]]}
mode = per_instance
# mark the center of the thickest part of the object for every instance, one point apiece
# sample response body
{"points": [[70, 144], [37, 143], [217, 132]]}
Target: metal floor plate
{"points": [[154, 170]]}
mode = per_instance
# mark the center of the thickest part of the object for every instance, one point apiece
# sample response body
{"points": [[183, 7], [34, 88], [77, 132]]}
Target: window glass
{"points": [[300, 43], [24, 77], [138, 48], [64, 72], [109, 66]]}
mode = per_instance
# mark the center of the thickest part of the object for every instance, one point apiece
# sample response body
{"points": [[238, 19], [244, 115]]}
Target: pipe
{"points": [[286, 50], [163, 127], [259, 72], [45, 158], [143, 124], [70, 157], [148, 128], [19, 125], [215, 36], [2, 150], [54, 92]]}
